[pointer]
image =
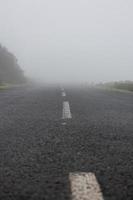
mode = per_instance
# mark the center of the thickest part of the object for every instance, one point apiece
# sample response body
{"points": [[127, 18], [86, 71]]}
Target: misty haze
{"points": [[66, 100], [57, 41]]}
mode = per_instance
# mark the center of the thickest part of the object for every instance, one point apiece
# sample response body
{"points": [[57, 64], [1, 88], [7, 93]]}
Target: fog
{"points": [[70, 41]]}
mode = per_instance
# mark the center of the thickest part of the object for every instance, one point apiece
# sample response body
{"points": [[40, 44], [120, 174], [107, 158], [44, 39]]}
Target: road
{"points": [[40, 150]]}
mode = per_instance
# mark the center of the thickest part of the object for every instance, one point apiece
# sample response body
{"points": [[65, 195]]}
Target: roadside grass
{"points": [[9, 86], [116, 89], [122, 86], [3, 87]]}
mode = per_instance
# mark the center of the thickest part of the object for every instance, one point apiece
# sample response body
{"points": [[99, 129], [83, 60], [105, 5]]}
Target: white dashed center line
{"points": [[63, 94], [84, 186], [66, 113], [62, 89]]}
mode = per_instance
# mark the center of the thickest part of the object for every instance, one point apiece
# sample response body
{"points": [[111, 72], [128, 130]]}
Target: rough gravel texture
{"points": [[37, 153]]}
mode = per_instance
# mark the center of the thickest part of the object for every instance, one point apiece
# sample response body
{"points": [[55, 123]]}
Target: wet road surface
{"points": [[40, 147]]}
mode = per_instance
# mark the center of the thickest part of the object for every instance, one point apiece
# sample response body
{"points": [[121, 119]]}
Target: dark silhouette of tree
{"points": [[10, 71]]}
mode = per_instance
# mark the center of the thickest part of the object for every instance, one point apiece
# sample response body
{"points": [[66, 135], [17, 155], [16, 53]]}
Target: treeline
{"points": [[10, 71], [122, 85]]}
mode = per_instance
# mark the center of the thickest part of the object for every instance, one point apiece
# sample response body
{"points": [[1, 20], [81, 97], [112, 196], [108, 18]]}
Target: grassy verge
{"points": [[125, 86], [3, 87]]}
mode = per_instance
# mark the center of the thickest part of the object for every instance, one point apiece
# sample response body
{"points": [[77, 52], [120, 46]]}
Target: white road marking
{"points": [[62, 89], [63, 94], [84, 186], [64, 123], [66, 113]]}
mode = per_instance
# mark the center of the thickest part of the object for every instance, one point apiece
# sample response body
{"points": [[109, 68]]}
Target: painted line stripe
{"points": [[66, 113], [64, 123], [62, 89], [84, 186], [63, 94]]}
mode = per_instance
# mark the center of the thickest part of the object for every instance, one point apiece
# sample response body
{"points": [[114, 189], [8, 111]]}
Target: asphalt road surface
{"points": [[43, 141]]}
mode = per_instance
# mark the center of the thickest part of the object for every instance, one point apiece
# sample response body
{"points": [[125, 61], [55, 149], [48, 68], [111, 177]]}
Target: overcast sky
{"points": [[70, 40]]}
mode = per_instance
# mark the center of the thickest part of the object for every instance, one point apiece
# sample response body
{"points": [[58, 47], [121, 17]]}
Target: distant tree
{"points": [[10, 71]]}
